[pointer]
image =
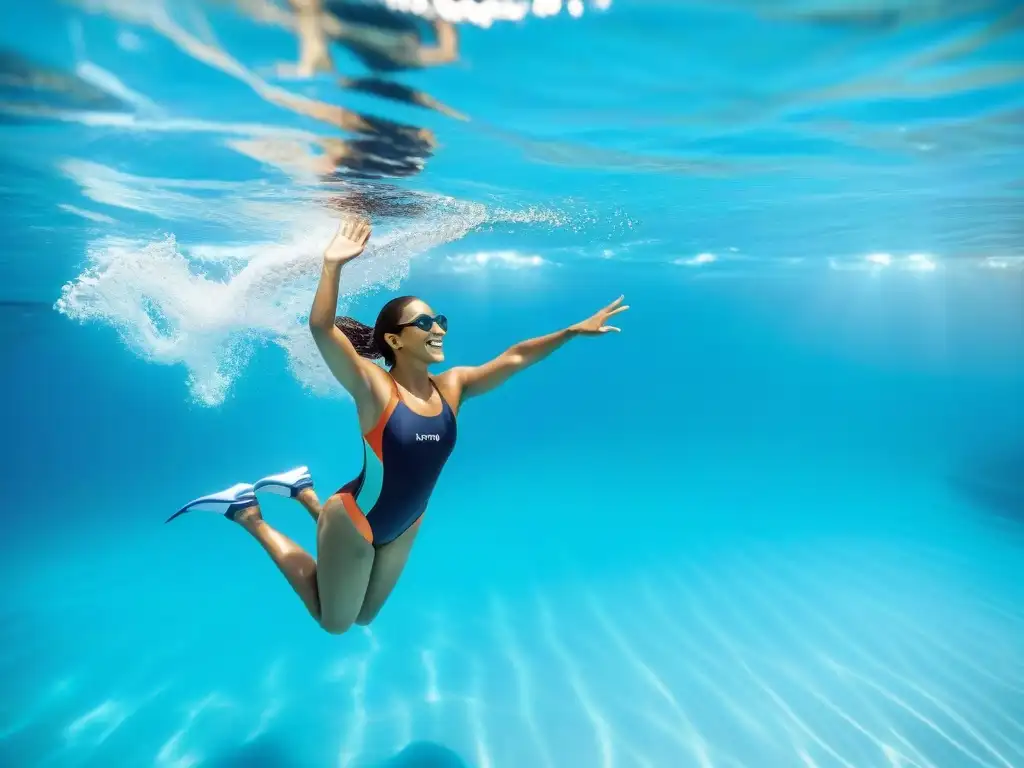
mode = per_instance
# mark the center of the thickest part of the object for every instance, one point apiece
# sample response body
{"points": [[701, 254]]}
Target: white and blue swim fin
{"points": [[227, 502], [286, 483]]}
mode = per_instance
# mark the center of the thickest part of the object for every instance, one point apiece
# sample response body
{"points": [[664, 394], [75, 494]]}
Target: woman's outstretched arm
{"points": [[471, 381], [341, 356]]}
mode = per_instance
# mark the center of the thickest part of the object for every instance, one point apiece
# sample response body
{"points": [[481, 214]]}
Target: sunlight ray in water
{"points": [[525, 679], [603, 732], [356, 720], [719, 662]]}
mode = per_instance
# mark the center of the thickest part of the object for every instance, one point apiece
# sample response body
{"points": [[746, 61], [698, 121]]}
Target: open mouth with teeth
{"points": [[434, 343]]}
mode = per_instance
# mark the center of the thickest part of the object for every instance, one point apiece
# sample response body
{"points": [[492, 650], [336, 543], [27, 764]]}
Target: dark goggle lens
{"points": [[426, 322]]}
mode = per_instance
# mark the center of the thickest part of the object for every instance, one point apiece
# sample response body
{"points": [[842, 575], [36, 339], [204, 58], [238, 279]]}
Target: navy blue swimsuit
{"points": [[403, 456]]}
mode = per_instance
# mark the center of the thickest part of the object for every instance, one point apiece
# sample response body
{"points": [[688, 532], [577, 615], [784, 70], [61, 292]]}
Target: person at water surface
{"points": [[407, 418]]}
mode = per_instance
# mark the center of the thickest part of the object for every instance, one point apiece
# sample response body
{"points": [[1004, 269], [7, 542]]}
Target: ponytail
{"points": [[369, 342], [361, 337]]}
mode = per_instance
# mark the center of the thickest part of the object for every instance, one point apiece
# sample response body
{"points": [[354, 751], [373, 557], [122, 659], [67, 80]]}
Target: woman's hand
{"points": [[348, 242], [595, 324]]}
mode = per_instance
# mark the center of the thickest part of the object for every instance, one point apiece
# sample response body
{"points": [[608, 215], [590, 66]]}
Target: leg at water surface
{"points": [[314, 53]]}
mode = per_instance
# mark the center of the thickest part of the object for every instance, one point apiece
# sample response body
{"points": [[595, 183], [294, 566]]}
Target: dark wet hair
{"points": [[369, 342]]}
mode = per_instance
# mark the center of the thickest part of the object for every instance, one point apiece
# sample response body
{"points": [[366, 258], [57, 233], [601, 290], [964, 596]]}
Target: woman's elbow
{"points": [[320, 325], [514, 358]]}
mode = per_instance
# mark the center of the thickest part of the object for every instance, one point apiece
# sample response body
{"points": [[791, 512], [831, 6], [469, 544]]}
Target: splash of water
{"points": [[208, 306]]}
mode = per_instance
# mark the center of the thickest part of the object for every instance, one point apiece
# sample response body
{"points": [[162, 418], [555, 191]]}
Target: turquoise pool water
{"points": [[775, 522]]}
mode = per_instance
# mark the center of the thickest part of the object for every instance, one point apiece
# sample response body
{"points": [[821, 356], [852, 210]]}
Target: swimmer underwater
{"points": [[407, 417]]}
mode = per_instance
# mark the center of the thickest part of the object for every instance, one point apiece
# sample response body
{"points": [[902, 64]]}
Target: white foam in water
{"points": [[206, 306]]}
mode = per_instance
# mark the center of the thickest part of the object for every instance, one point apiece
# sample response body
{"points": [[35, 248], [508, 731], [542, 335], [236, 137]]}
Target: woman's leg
{"points": [[388, 564], [293, 561], [333, 586], [388, 561], [345, 557], [307, 498]]}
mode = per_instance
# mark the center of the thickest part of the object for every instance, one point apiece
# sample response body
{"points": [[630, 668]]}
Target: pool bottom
{"points": [[807, 651]]}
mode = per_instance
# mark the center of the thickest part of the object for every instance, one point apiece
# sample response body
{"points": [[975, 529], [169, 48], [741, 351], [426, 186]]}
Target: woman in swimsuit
{"points": [[407, 418]]}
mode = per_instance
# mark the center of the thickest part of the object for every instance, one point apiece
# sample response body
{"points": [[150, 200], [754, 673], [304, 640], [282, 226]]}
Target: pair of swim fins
{"points": [[240, 496]]}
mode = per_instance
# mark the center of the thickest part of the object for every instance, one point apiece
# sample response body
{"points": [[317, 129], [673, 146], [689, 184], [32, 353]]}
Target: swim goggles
{"points": [[426, 322]]}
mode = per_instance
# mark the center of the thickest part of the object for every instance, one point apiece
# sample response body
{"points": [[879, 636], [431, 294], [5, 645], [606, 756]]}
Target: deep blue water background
{"points": [[774, 522]]}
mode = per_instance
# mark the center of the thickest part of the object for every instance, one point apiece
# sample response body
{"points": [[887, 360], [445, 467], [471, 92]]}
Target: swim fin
{"points": [[228, 502]]}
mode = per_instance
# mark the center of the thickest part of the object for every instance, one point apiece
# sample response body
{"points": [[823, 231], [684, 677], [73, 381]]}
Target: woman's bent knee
{"points": [[344, 564], [335, 627]]}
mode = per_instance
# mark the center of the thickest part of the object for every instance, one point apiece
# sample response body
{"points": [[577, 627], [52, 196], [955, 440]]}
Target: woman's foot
{"points": [[287, 484], [296, 484], [232, 502]]}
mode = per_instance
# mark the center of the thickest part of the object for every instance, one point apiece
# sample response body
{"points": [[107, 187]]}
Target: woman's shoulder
{"points": [[449, 385], [377, 397]]}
